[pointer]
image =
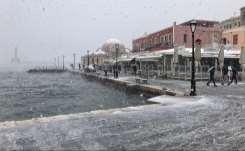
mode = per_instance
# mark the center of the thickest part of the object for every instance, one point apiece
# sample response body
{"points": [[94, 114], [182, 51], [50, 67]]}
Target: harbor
{"points": [[122, 75]]}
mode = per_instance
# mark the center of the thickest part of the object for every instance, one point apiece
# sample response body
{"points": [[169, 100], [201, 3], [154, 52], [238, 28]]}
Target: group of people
{"points": [[229, 74]]}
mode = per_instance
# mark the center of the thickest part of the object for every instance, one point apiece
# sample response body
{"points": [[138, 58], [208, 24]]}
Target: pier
{"points": [[46, 70]]}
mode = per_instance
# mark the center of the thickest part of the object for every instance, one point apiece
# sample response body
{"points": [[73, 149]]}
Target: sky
{"points": [[45, 29]]}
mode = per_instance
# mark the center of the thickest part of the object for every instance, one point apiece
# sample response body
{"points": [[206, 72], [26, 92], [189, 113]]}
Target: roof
{"points": [[185, 52], [113, 41], [99, 52]]}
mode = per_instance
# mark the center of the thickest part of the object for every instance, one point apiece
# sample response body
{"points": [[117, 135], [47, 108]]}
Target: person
{"points": [[105, 70], [135, 69], [224, 74], [79, 66], [229, 73], [211, 71], [234, 76], [114, 71]]}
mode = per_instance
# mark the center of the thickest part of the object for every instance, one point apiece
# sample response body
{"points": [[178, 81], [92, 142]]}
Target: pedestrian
{"points": [[135, 69], [229, 73], [211, 71], [234, 75], [114, 71], [105, 69], [224, 75], [79, 66]]}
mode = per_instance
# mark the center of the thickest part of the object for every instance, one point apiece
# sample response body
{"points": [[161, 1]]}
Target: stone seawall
{"points": [[129, 86]]}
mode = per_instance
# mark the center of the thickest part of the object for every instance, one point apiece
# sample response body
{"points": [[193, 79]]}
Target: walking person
{"points": [[114, 71], [135, 69], [229, 73], [106, 70], [234, 76], [211, 71], [79, 65], [224, 75]]}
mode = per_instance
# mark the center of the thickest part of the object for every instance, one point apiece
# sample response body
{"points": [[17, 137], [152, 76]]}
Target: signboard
{"points": [[242, 56], [198, 55]]}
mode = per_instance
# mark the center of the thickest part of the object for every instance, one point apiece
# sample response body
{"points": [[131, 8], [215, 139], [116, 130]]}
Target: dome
{"points": [[112, 41], [109, 47], [99, 52]]}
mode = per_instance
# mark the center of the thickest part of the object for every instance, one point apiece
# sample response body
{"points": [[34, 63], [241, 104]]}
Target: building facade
{"points": [[234, 30], [208, 32]]}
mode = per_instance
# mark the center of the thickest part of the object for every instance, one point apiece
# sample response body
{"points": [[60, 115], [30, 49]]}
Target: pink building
{"points": [[208, 32]]}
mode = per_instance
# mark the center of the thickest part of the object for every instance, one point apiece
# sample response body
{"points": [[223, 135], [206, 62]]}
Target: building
{"points": [[105, 54], [94, 58], [234, 30], [207, 32], [109, 47]]}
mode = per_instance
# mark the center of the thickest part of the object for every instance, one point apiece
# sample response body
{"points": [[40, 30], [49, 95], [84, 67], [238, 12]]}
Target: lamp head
{"points": [[193, 25]]}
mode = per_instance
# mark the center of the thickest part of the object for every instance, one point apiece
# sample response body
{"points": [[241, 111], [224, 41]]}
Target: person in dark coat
{"points": [[114, 70], [79, 65], [135, 69], [211, 76], [224, 74], [234, 76]]}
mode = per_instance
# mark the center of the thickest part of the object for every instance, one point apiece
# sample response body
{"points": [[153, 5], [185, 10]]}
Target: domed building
{"points": [[109, 47]]}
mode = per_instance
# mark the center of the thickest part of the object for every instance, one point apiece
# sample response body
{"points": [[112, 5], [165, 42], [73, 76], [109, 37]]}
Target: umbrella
{"points": [[210, 69]]}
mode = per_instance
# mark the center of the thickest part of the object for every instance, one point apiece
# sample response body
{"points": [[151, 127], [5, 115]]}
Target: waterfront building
{"points": [[207, 32], [105, 54], [109, 47], [234, 30], [167, 53]]}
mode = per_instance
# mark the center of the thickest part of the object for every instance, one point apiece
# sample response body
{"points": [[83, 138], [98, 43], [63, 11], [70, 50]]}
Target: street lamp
{"points": [[193, 25], [74, 61], [117, 49], [63, 64], [88, 57]]}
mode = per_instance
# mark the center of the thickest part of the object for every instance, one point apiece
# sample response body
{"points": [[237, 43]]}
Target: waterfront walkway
{"points": [[178, 87]]}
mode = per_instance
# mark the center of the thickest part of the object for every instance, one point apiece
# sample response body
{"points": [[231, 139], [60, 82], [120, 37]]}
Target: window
{"points": [[185, 38], [156, 41], [169, 38], [235, 39]]}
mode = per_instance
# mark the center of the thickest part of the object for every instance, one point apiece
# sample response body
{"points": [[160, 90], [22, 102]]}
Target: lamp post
{"points": [[55, 64], [63, 65], [193, 25], [74, 61], [116, 72], [88, 57], [58, 62]]}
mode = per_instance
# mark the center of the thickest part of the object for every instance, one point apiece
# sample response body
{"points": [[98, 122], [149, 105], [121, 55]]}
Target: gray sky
{"points": [[43, 29]]}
